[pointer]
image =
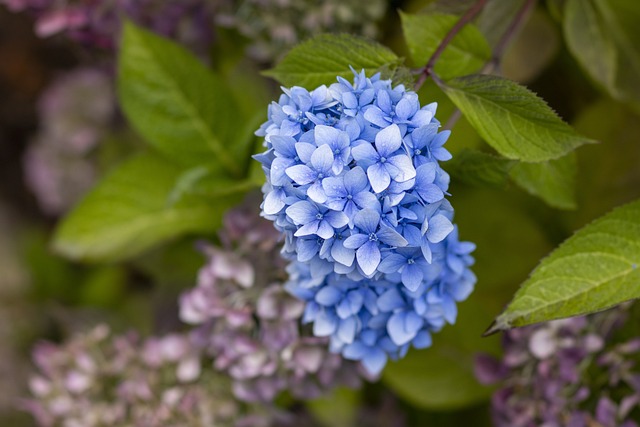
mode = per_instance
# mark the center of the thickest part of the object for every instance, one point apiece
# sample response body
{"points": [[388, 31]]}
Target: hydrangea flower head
{"points": [[355, 185]]}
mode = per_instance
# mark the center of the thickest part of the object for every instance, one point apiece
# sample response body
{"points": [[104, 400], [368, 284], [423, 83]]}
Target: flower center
{"points": [[411, 261], [349, 197], [373, 237], [383, 159], [418, 152], [320, 175], [319, 216]]}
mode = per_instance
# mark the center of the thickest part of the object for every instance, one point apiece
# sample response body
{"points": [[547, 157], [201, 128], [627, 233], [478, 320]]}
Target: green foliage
{"points": [[512, 119], [130, 211], [319, 60], [553, 181], [604, 36], [338, 409], [593, 270], [608, 173], [466, 54], [177, 104], [477, 168]]}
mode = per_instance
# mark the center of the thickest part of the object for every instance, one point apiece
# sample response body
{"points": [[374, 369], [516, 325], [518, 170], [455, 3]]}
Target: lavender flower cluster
{"points": [[98, 379], [76, 112], [573, 372], [96, 23], [250, 324], [354, 184]]}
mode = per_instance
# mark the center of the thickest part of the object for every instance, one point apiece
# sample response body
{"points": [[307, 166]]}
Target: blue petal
{"points": [[309, 229], [366, 200], [375, 115], [347, 329], [329, 296], [349, 100], [391, 237], [384, 101], [307, 249], [284, 145], [341, 254], [397, 330], [334, 187], [325, 230], [439, 227], [422, 340], [355, 241], [388, 140], [404, 165], [365, 154], [367, 220], [274, 201], [355, 181], [305, 150], [336, 219], [322, 159], [430, 193], [390, 300], [426, 250], [278, 170], [301, 174], [316, 193], [426, 173], [355, 351], [368, 256], [374, 361], [392, 263], [378, 177], [325, 324], [412, 276], [302, 212], [325, 134]]}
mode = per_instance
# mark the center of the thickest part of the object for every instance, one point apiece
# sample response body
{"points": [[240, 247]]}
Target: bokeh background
{"points": [[61, 129]]}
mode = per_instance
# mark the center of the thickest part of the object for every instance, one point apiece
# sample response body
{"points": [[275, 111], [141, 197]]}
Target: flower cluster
{"points": [[101, 379], [96, 24], [573, 372], [250, 324], [274, 26], [75, 113], [354, 183]]}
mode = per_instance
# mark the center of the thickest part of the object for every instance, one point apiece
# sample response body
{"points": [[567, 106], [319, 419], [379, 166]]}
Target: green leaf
{"points": [[177, 104], [604, 36], [593, 270], [512, 119], [204, 182], [477, 168], [466, 53], [553, 181], [321, 59], [129, 212]]}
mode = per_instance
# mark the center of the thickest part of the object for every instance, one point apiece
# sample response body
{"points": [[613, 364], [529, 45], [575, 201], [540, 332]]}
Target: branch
{"points": [[427, 70], [498, 52]]}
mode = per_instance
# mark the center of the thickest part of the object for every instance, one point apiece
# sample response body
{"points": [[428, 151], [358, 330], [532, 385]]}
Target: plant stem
{"points": [[507, 37], [499, 50], [464, 20]]}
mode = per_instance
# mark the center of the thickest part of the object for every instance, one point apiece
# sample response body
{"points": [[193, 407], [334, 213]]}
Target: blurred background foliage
{"points": [[45, 295]]}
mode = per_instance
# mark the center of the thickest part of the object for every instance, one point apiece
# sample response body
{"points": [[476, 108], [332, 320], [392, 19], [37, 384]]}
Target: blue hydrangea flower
{"points": [[355, 186]]}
